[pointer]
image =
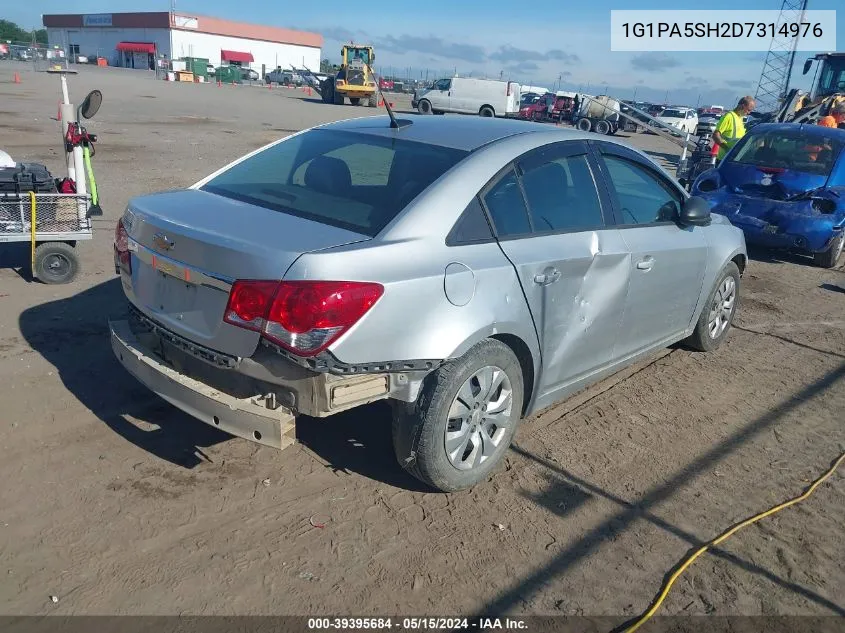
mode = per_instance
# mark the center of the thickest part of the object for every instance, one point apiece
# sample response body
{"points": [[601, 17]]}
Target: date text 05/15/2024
{"points": [[413, 624]]}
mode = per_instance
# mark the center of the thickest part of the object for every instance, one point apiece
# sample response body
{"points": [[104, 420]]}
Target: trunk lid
{"points": [[769, 182], [189, 245]]}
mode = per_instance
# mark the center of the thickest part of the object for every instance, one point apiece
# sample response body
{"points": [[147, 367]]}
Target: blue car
{"points": [[783, 184]]}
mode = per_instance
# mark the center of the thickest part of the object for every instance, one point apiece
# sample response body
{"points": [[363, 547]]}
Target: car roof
{"points": [[462, 132], [810, 129]]}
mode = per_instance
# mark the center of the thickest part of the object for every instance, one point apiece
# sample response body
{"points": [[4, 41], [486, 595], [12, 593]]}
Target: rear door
{"points": [[667, 260], [550, 221]]}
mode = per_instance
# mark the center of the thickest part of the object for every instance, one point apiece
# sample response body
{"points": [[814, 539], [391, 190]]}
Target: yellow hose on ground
{"points": [[32, 232], [724, 536]]}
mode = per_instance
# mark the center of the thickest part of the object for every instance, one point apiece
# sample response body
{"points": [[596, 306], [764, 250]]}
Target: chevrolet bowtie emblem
{"points": [[162, 242]]}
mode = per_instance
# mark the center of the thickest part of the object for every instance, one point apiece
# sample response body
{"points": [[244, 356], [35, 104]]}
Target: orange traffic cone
{"points": [[381, 103], [17, 78], [219, 83], [59, 115], [309, 91]]}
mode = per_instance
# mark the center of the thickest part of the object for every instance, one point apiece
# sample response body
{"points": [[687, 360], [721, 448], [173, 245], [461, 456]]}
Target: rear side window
{"points": [[354, 181], [562, 195], [506, 206], [471, 228]]}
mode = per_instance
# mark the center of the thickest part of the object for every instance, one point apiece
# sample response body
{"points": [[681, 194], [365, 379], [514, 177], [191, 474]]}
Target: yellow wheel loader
{"points": [[354, 80]]}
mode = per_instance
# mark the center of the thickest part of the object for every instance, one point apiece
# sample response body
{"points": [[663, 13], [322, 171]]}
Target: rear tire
{"points": [[718, 312], [56, 263], [486, 111], [585, 125], [422, 430], [602, 127], [373, 100], [424, 107], [830, 257]]}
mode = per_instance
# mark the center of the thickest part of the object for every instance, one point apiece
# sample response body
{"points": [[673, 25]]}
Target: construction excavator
{"points": [[827, 91], [355, 80]]}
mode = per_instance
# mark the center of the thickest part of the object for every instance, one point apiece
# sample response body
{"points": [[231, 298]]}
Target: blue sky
{"points": [[567, 42]]}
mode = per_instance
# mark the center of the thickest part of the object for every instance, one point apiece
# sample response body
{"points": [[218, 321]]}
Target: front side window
{"points": [[442, 84], [562, 195], [641, 197], [354, 181]]}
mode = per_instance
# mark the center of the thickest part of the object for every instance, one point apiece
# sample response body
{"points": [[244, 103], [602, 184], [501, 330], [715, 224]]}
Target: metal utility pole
{"points": [[777, 69]]}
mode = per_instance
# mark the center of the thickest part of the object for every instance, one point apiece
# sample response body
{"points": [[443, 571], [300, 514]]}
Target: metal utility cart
{"points": [[53, 223]]}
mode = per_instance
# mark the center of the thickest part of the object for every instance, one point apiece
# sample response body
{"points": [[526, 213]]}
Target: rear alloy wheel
{"points": [[718, 313], [829, 258], [487, 111], [464, 419], [424, 107]]}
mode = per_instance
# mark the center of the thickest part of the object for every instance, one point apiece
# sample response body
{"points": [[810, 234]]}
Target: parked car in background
{"points": [[467, 95], [354, 262], [548, 107], [783, 184], [210, 70], [707, 124], [683, 119], [249, 74], [283, 77], [527, 98]]}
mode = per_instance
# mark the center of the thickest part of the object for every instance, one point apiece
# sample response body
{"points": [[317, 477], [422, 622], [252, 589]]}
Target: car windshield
{"points": [[359, 182], [794, 150], [672, 113]]}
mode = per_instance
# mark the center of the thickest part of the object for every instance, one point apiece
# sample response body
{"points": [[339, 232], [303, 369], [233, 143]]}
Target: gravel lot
{"points": [[117, 503]]}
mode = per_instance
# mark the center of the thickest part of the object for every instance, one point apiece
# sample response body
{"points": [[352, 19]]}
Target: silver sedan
{"points": [[472, 271]]}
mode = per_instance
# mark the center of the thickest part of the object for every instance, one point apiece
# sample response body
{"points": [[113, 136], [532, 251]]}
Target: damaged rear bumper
{"points": [[256, 399], [248, 418]]}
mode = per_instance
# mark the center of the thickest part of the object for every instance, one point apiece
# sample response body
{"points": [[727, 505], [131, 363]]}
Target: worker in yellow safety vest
{"points": [[731, 126]]}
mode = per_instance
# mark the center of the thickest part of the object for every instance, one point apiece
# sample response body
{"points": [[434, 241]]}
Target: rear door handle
{"points": [[645, 264], [548, 277]]}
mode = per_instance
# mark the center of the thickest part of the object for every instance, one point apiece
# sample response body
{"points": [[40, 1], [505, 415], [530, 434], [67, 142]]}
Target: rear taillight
{"points": [[122, 258], [304, 317]]}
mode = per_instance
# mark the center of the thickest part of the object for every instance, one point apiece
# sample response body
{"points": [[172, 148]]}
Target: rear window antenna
{"points": [[396, 124]]}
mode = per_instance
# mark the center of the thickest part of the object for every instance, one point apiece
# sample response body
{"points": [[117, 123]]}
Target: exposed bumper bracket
{"points": [[252, 418]]}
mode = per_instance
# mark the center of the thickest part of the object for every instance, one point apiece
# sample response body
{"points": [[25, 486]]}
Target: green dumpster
{"points": [[229, 74], [197, 65]]}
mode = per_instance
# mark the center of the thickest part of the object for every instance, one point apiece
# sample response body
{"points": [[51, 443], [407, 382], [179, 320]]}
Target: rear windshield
{"points": [[354, 181], [793, 150]]}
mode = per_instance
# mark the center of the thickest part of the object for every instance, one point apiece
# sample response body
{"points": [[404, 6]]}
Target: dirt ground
{"points": [[117, 503]]}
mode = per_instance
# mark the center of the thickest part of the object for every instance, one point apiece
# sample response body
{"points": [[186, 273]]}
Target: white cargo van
{"points": [[466, 95]]}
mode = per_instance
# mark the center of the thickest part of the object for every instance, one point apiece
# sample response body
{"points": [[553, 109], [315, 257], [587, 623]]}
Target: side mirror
{"points": [[91, 104], [695, 212], [807, 65]]}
